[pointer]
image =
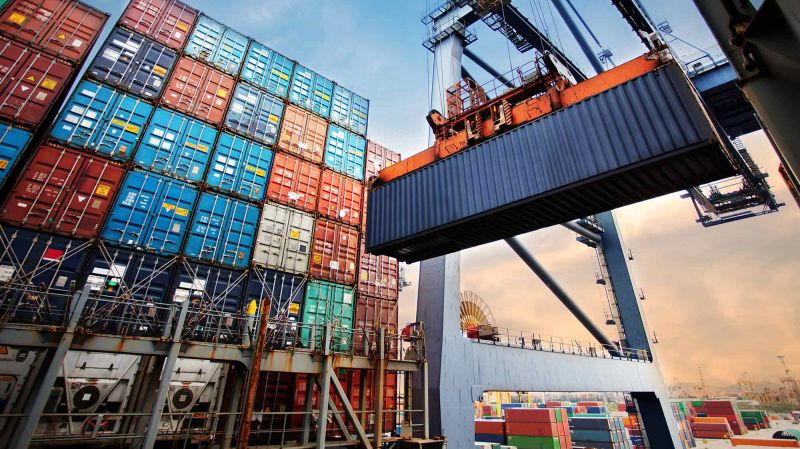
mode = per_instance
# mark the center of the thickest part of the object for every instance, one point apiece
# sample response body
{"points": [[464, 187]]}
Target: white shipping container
{"points": [[283, 241]]}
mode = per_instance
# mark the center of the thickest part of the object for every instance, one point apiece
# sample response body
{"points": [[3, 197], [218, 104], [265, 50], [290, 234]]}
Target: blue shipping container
{"points": [[133, 287], [222, 230], [176, 145], [311, 91], [268, 69], [344, 152], [133, 63], [286, 291], [38, 273], [102, 119], [151, 213], [349, 110], [255, 114], [217, 45], [215, 295], [12, 142], [240, 167]]}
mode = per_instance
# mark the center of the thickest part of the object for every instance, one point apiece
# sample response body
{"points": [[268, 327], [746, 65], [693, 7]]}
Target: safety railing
{"points": [[31, 304], [471, 95]]}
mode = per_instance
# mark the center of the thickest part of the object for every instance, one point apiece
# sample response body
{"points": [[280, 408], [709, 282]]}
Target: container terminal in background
{"points": [[201, 243]]}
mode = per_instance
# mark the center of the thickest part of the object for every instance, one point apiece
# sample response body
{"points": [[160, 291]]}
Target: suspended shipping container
{"points": [[151, 213], [133, 63], [294, 182], [65, 29], [284, 239], [267, 69], [328, 303], [254, 114], [217, 45], [378, 158], [222, 230], [199, 91], [167, 21], [311, 91], [63, 191], [349, 110], [30, 82], [303, 134], [340, 198], [344, 152], [12, 142], [240, 167], [176, 145], [334, 255], [101, 119], [378, 275]]}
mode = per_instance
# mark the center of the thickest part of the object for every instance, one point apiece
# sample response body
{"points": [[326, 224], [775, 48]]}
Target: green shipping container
{"points": [[525, 442], [327, 302], [3, 4]]}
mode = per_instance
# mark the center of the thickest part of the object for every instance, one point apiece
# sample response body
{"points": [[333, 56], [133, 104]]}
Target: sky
{"points": [[724, 298]]}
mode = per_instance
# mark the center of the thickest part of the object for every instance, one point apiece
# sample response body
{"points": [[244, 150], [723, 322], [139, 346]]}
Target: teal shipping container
{"points": [[327, 302]]}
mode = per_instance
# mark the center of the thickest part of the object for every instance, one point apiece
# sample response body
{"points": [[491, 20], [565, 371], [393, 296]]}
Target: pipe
{"points": [[489, 69], [575, 227], [527, 257], [253, 375], [579, 37]]}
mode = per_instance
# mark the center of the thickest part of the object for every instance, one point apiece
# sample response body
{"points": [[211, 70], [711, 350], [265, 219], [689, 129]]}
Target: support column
{"points": [[308, 408], [255, 369], [377, 393], [657, 419], [230, 419], [325, 388], [166, 377], [27, 425]]}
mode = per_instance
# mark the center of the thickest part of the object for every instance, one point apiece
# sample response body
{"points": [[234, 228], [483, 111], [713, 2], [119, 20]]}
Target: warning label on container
{"points": [[160, 71], [294, 308], [317, 258], [17, 18], [182, 26], [102, 190], [273, 118], [49, 84], [198, 146], [3, 164], [127, 126], [256, 170], [294, 233], [222, 93]]}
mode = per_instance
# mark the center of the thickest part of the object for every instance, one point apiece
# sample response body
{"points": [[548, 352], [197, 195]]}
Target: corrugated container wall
{"points": [[12, 142], [285, 291], [103, 120], [372, 314], [199, 91], [63, 191], [240, 167], [217, 45], [167, 21], [222, 230], [66, 29], [311, 91], [349, 110], [303, 134], [378, 276], [294, 182], [334, 255], [267, 69], [378, 158], [325, 303], [254, 114], [344, 152], [284, 239], [340, 198]]}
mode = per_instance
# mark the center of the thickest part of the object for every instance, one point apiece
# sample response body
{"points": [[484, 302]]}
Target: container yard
{"points": [[206, 221]]}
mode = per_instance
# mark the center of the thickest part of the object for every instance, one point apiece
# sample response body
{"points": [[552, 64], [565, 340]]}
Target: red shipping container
{"points": [[294, 182], [532, 429], [198, 90], [490, 426], [371, 314], [545, 415], [334, 254], [30, 82], [63, 28], [389, 397], [378, 275], [303, 134], [378, 158], [167, 21], [63, 191], [341, 198]]}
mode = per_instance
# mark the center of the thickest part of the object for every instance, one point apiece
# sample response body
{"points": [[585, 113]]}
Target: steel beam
{"points": [[488, 68], [580, 230], [582, 42], [335, 411], [27, 426], [362, 436], [325, 387], [307, 407], [378, 392]]}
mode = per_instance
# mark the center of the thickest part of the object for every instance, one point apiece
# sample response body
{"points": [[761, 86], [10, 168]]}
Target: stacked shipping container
{"points": [[190, 163]]}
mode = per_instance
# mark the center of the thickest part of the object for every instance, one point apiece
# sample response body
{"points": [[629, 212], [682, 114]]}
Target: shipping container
{"points": [[349, 110], [12, 142], [167, 21], [129, 292], [294, 182], [303, 134], [516, 182], [286, 293], [334, 254], [133, 63], [311, 91], [199, 90], [344, 152], [38, 275], [176, 145], [378, 275], [340, 198], [101, 119], [217, 45], [275, 396], [284, 239], [254, 114], [66, 29], [389, 397], [30, 83], [240, 167], [63, 191], [372, 314], [378, 158], [222, 230], [215, 294], [267, 69], [151, 213], [328, 303]]}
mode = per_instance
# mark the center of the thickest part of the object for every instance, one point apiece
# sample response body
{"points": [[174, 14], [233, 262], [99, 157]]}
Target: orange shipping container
{"points": [[378, 275], [199, 90], [294, 182], [334, 254], [341, 198], [303, 134]]}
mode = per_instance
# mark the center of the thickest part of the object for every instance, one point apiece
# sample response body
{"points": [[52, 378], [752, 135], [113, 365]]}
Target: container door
{"points": [[356, 147], [280, 74], [143, 16], [257, 65], [270, 111], [254, 177], [241, 113], [166, 21], [74, 33], [240, 167], [359, 115], [185, 85], [303, 134], [27, 21], [138, 199], [336, 148], [207, 228], [120, 127], [214, 97], [302, 85], [117, 58], [321, 96], [341, 106], [294, 182], [37, 85], [237, 244], [82, 115], [12, 142], [270, 239], [230, 52], [215, 295], [190, 159], [168, 227], [205, 39], [154, 63]]}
